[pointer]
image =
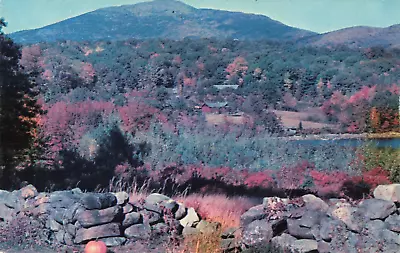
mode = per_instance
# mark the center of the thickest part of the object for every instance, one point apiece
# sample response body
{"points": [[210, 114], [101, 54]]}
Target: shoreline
{"points": [[365, 136]]}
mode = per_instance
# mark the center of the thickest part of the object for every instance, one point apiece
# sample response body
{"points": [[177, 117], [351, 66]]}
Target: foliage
{"points": [[377, 159], [19, 111]]}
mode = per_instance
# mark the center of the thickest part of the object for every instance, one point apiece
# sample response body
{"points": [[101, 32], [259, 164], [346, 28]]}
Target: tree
{"points": [[18, 110]]}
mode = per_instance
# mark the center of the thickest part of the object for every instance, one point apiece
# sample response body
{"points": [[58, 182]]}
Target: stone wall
{"points": [[74, 217], [309, 224]]}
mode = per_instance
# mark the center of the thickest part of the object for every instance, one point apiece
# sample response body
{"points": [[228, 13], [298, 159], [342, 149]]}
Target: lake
{"points": [[393, 142]]}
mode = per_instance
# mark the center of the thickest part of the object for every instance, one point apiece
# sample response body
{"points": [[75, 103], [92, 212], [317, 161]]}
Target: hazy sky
{"points": [[315, 15]]}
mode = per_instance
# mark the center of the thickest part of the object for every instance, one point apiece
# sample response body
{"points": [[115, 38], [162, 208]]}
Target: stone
{"points": [[160, 229], [304, 246], [58, 215], [190, 231], [122, 198], [97, 232], [310, 218], [350, 217], [60, 196], [138, 231], [388, 192], [59, 235], [156, 198], [153, 208], [7, 213], [41, 209], [206, 227], [64, 203], [76, 191], [53, 225], [12, 201], [254, 213], [41, 198], [114, 241], [71, 229], [377, 208], [151, 217], [295, 229], [393, 222], [162, 201], [328, 228], [324, 247], [191, 218], [180, 212], [257, 232], [375, 227], [314, 203], [127, 208], [70, 215], [28, 192], [390, 237], [68, 239], [229, 233], [98, 201], [283, 241], [131, 219], [90, 218], [228, 244]]}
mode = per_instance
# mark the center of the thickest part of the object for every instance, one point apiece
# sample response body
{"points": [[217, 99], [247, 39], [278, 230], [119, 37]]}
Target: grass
{"points": [[219, 207]]}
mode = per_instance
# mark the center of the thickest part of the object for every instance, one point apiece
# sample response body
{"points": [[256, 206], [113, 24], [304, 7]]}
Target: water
{"points": [[381, 143]]}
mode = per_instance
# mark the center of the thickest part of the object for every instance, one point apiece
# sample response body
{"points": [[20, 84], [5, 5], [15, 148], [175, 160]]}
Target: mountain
{"points": [[161, 19], [359, 36]]}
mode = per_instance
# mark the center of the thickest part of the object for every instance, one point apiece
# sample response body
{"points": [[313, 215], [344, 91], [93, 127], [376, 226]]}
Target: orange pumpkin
{"points": [[96, 247]]}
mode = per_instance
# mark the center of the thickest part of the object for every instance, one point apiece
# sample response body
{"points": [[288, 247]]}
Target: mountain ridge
{"points": [[161, 19]]}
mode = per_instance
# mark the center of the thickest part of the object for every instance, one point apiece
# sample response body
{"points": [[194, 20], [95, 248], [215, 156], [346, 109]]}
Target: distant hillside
{"points": [[161, 19], [360, 36]]}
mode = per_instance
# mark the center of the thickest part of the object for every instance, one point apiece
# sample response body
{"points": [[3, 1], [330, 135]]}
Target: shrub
{"points": [[329, 182]]}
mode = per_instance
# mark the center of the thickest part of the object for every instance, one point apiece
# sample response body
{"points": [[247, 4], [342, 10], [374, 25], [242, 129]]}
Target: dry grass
{"points": [[203, 243], [292, 119], [219, 207], [136, 192]]}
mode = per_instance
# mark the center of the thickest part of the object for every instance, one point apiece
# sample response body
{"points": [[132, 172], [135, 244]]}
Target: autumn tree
{"points": [[18, 110]]}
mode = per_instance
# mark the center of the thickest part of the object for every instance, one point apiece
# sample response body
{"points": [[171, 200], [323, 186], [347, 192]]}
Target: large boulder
{"points": [[28, 192], [191, 218], [314, 203], [7, 213], [351, 216], [388, 192], [97, 232], [98, 200], [122, 197], [254, 213], [283, 242], [295, 229], [90, 218], [304, 246], [138, 231], [393, 222], [257, 232], [131, 219], [377, 208], [162, 201]]}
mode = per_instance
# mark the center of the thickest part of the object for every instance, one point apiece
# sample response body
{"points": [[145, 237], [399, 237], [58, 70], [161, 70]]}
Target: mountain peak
{"points": [[170, 19]]}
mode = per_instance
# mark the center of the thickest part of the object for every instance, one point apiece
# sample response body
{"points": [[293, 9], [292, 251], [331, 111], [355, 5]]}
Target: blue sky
{"points": [[315, 15]]}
